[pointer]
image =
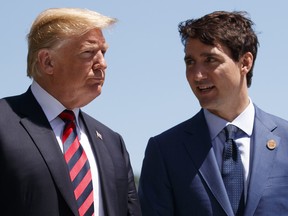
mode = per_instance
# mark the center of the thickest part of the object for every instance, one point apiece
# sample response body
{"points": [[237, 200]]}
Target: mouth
{"points": [[98, 81], [205, 88]]}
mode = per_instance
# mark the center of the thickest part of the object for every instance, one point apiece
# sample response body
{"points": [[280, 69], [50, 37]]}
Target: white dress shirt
{"points": [[245, 122], [52, 108]]}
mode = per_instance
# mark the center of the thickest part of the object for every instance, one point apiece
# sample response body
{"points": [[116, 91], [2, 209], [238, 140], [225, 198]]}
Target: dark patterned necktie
{"points": [[78, 165], [232, 171]]}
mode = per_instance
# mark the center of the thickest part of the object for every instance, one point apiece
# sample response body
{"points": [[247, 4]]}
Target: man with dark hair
{"points": [[231, 158]]}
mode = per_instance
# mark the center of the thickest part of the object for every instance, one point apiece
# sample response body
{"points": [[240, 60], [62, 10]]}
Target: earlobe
{"points": [[246, 62], [45, 61]]}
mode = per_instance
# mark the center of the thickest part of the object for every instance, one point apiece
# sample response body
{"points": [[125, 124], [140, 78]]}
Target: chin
{"points": [[95, 95], [206, 105], [88, 100], [95, 89]]}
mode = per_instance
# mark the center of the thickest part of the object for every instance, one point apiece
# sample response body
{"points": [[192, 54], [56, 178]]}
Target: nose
{"points": [[99, 61], [197, 73], [200, 75]]}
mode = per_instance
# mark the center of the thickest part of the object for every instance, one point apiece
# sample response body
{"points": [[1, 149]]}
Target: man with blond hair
{"points": [[54, 158]]}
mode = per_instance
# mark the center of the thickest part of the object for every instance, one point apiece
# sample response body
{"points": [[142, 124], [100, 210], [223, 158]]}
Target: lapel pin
{"points": [[271, 144], [98, 135]]}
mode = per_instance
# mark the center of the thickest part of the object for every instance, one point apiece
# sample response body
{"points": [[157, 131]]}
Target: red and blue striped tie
{"points": [[78, 165]]}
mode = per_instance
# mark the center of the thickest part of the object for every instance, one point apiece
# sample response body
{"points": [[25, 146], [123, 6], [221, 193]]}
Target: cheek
{"points": [[189, 78], [190, 81], [188, 74], [68, 77]]}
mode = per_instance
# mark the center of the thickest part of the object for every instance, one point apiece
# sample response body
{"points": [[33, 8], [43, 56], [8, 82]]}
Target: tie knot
{"points": [[230, 131], [67, 115]]}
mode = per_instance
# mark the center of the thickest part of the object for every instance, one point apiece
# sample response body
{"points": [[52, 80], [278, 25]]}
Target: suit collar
{"points": [[244, 121], [262, 159], [261, 163], [36, 124], [38, 127], [98, 139], [200, 148]]}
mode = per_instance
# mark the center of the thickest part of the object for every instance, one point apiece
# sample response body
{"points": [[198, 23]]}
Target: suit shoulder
{"points": [[16, 102], [269, 117], [274, 123], [9, 105], [8, 100]]}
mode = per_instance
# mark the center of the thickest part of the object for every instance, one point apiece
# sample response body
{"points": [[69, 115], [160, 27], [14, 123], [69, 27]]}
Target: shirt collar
{"points": [[244, 121], [50, 105]]}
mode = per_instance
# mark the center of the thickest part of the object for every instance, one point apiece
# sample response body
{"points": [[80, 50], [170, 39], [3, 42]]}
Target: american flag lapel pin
{"points": [[98, 135]]}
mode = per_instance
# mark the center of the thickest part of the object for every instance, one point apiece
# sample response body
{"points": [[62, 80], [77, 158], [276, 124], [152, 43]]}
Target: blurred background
{"points": [[146, 91]]}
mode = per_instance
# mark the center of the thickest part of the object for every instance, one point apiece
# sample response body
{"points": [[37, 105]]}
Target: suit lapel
{"points": [[105, 165], [212, 176], [262, 159], [39, 129], [200, 148]]}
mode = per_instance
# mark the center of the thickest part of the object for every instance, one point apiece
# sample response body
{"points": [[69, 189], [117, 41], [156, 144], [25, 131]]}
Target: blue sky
{"points": [[145, 91]]}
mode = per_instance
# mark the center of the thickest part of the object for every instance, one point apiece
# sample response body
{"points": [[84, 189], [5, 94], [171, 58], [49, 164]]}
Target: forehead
{"points": [[196, 47], [94, 34], [93, 37]]}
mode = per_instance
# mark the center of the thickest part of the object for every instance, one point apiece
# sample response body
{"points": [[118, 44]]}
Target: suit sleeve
{"points": [[133, 200], [155, 191]]}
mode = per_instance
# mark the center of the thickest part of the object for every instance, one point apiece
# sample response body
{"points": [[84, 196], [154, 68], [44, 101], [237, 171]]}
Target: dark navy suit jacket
{"points": [[180, 175], [34, 176]]}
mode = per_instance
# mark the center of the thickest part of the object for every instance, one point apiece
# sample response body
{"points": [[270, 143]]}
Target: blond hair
{"points": [[56, 25]]}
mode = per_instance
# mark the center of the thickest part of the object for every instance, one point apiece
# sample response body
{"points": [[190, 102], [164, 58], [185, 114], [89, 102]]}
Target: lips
{"points": [[99, 81], [96, 80], [205, 88]]}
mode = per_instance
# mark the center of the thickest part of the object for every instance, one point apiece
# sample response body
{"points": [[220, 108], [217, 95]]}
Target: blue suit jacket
{"points": [[34, 179], [180, 175]]}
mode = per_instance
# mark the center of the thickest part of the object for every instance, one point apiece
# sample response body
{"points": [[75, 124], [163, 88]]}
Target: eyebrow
{"points": [[94, 44], [205, 54]]}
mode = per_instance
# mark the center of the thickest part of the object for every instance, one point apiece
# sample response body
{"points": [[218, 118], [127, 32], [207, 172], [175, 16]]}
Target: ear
{"points": [[45, 61], [246, 63]]}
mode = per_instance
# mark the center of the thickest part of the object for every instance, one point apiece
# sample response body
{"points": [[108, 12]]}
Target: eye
{"points": [[103, 52], [189, 61], [210, 59], [87, 53]]}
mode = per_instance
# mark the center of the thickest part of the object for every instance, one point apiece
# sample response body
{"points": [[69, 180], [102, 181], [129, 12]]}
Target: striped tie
{"points": [[78, 165]]}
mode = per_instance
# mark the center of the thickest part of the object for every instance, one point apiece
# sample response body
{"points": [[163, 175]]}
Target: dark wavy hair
{"points": [[231, 29]]}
